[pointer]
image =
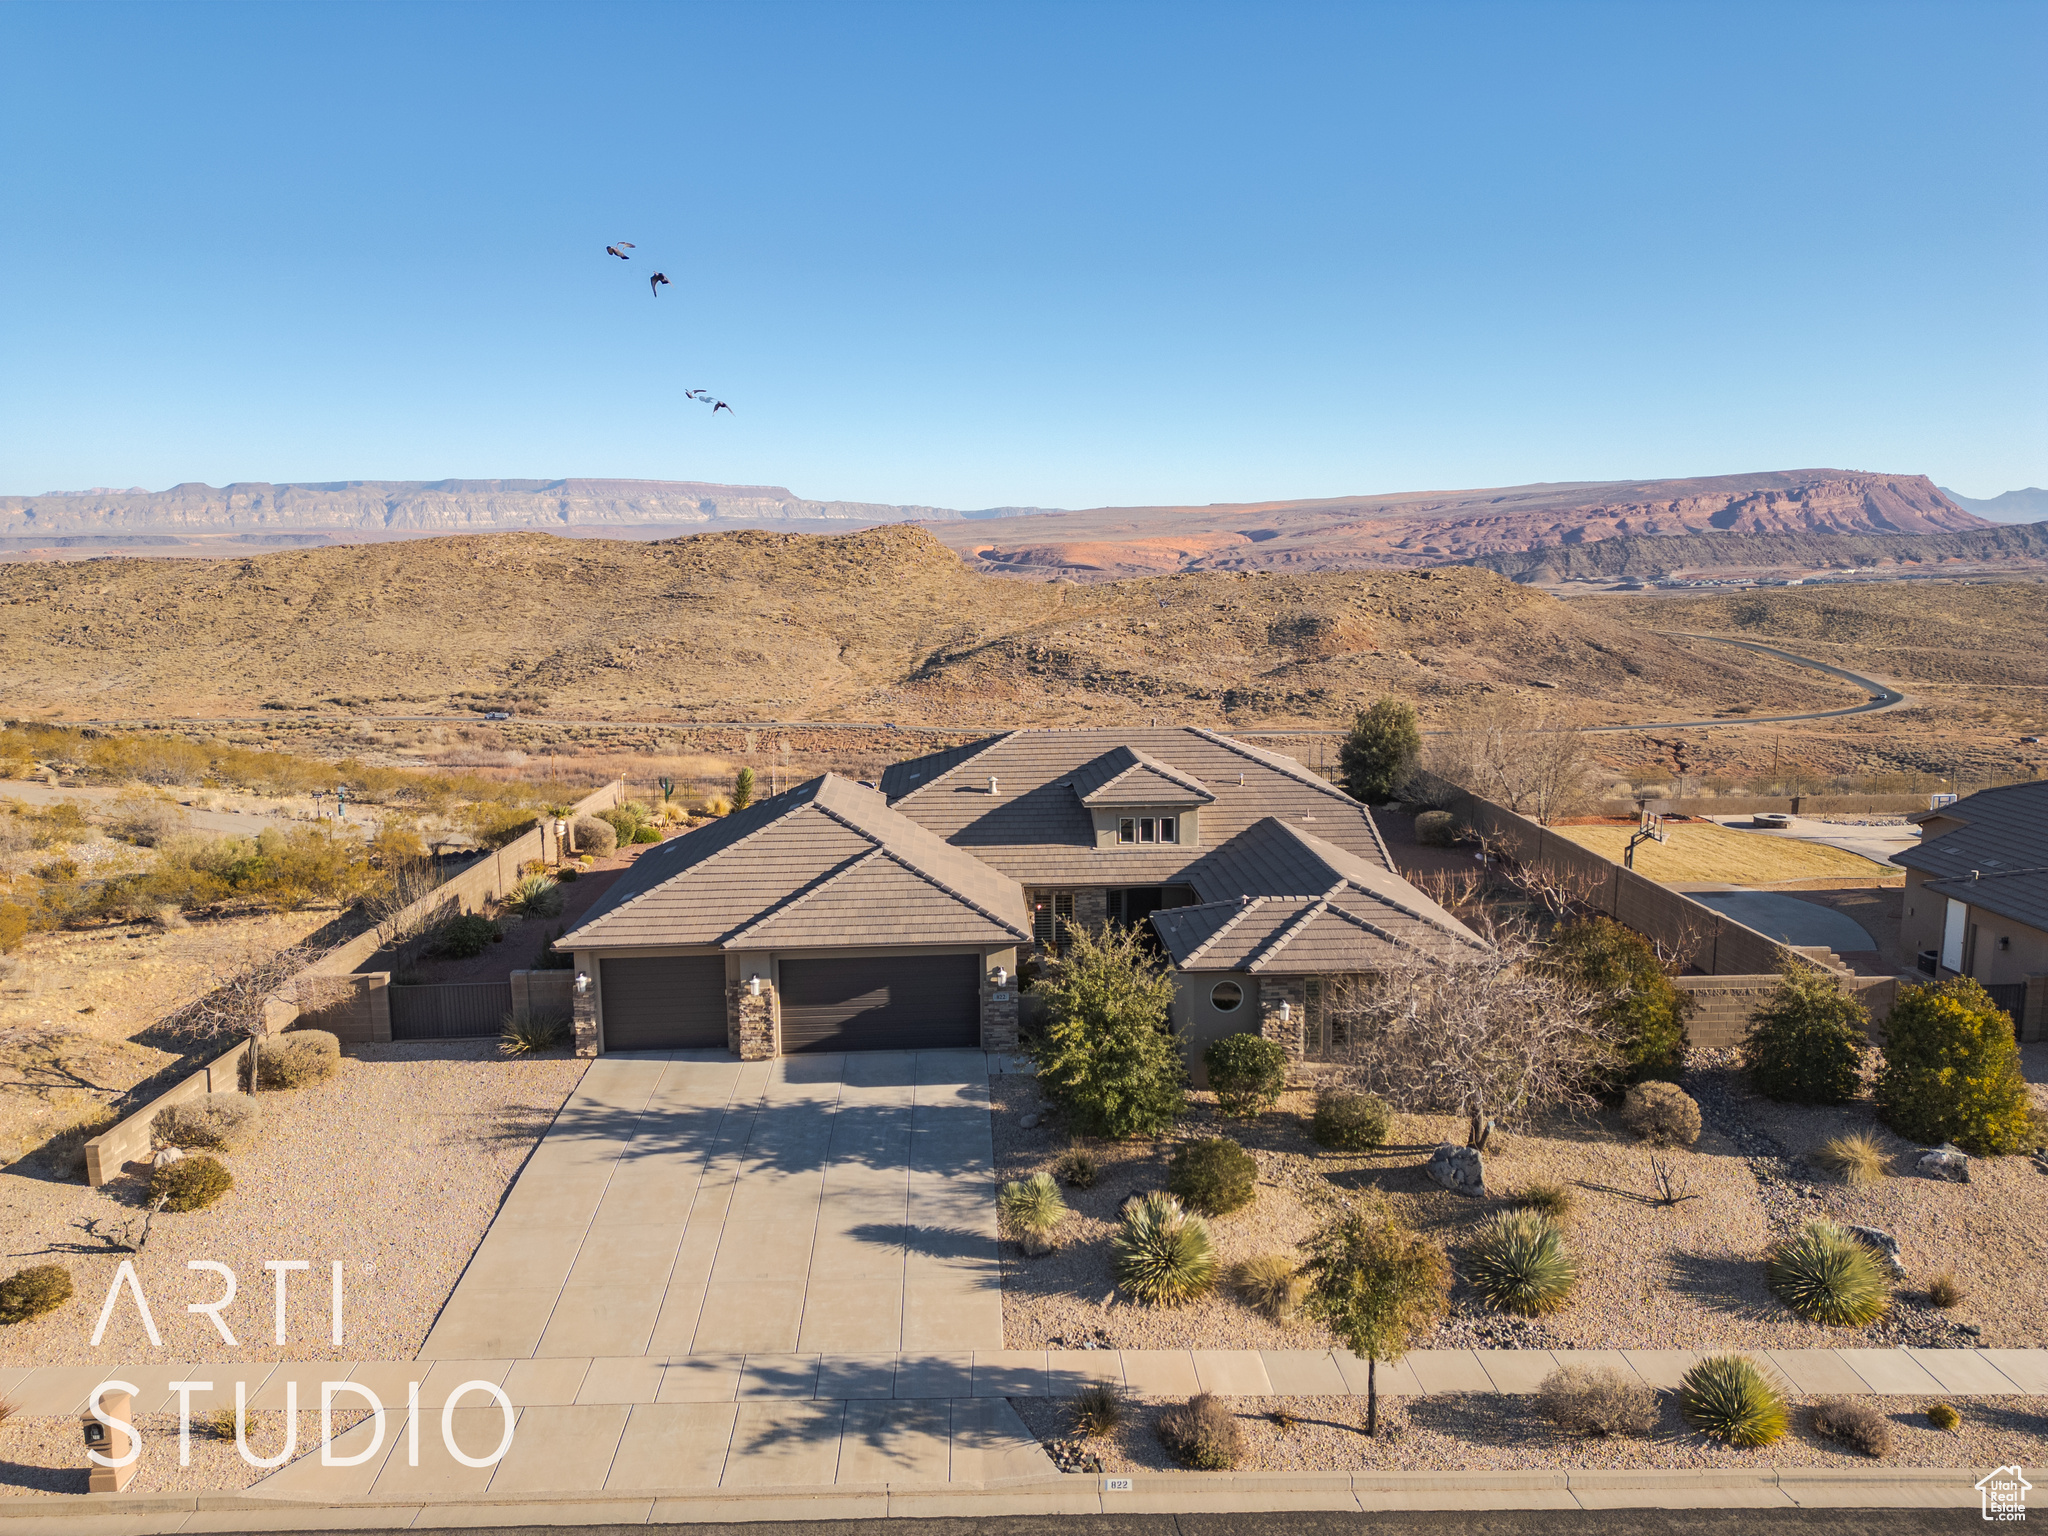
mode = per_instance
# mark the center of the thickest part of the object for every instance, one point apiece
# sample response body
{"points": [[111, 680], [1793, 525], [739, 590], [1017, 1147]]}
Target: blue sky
{"points": [[1064, 255]]}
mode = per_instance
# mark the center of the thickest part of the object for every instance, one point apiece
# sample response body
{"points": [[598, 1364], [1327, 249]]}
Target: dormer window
{"points": [[1148, 829]]}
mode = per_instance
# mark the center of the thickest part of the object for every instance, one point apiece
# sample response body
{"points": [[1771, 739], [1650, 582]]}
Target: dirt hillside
{"points": [[885, 624]]}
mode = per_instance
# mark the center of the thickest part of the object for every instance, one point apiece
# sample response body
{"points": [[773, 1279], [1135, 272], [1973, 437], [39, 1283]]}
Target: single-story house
{"points": [[1976, 898], [844, 916]]}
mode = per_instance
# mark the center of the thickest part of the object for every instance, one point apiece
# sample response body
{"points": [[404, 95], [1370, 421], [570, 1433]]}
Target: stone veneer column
{"points": [[750, 1020], [998, 1014], [1273, 991]]}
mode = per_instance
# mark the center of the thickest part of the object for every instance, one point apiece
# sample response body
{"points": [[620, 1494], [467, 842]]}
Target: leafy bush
{"points": [[299, 1057], [1826, 1276], [1076, 1167], [591, 836], [537, 1032], [1944, 1417], [1349, 1121], [1105, 1055], [13, 926], [1805, 1046], [567, 874], [1945, 1291], [467, 936], [226, 1122], [1599, 1401], [1855, 1158], [1273, 1283], [1203, 1434], [1518, 1262], [535, 896], [1377, 756], [1546, 1197], [1952, 1071], [1645, 1012], [1098, 1409], [625, 820], [1163, 1254], [1214, 1175], [33, 1291], [1032, 1210], [1246, 1072], [1436, 829], [1728, 1398], [1854, 1424], [190, 1184], [645, 835], [1662, 1113]]}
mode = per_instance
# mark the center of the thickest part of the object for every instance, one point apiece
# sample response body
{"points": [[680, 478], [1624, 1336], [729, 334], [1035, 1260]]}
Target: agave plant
{"points": [[1727, 1397], [1032, 1209], [1518, 1263], [1163, 1254], [1827, 1276]]}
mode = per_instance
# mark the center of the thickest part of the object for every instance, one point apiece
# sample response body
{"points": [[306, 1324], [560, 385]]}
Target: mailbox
{"points": [[113, 1442]]}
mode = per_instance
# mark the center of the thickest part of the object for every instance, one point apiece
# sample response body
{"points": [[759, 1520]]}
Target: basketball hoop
{"points": [[1649, 829]]}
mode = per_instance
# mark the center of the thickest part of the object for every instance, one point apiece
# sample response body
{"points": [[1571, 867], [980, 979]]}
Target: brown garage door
{"points": [[663, 1003], [891, 1003]]}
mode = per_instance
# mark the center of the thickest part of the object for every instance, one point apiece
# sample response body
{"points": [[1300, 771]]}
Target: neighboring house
{"points": [[1976, 899], [837, 916]]}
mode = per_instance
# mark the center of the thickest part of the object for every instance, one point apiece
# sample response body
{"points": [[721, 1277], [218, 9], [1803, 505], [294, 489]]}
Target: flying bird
{"points": [[654, 283], [620, 250], [721, 406], [698, 394]]}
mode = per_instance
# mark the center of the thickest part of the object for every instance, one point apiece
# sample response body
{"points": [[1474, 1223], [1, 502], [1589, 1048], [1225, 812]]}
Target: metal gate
{"points": [[2013, 999], [464, 1010]]}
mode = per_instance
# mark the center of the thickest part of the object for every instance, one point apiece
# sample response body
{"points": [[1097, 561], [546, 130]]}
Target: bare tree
{"points": [[1486, 1034], [397, 905], [1513, 753], [241, 988]]}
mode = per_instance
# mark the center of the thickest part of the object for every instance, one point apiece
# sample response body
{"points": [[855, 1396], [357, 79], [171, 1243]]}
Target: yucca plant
{"points": [[1163, 1254], [1518, 1263], [536, 1032], [1826, 1276], [535, 896], [1854, 1159], [1728, 1398], [1032, 1211], [1273, 1283], [1098, 1409]]}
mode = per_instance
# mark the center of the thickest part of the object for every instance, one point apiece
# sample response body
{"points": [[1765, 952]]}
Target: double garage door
{"points": [[882, 1003]]}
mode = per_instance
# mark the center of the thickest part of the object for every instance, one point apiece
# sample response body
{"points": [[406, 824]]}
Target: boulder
{"points": [[1884, 1245], [1029, 1123], [165, 1156], [1461, 1170], [1946, 1162]]}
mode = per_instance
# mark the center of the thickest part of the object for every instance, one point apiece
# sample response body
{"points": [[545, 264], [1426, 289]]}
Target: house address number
{"points": [[1116, 1485]]}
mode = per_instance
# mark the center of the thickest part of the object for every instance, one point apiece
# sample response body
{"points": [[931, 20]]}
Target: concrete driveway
{"points": [[686, 1203]]}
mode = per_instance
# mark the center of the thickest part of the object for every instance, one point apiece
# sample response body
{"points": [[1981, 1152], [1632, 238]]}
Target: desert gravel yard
{"points": [[40, 1456], [1687, 1275], [395, 1167]]}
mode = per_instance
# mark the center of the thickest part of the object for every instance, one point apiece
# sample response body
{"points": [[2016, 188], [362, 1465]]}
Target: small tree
{"points": [[1383, 745], [1620, 968], [1247, 1072], [1805, 1045], [1952, 1070], [1378, 1285], [743, 789], [1510, 751], [1105, 1053]]}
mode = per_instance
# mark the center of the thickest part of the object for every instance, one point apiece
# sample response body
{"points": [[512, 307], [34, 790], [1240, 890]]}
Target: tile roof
{"points": [[800, 868], [1125, 776], [1035, 829], [2004, 838]]}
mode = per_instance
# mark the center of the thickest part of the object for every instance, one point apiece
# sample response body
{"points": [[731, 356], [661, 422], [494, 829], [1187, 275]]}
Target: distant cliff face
{"points": [[439, 506]]}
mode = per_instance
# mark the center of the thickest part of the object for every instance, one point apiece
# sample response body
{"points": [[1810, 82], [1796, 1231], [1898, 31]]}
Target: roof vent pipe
{"points": [[991, 783], [1976, 875]]}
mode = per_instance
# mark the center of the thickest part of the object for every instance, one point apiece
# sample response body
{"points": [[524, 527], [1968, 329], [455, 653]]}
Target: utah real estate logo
{"points": [[2005, 1494]]}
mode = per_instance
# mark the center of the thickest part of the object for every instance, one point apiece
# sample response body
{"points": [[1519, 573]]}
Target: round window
{"points": [[1225, 996]]}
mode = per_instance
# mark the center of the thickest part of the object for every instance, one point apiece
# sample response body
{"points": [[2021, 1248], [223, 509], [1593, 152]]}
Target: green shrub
{"points": [[1854, 1424], [1105, 1054], [1826, 1276], [645, 835], [1944, 1417], [1729, 1399], [226, 1122], [190, 1184], [1273, 1283], [1163, 1254], [537, 1032], [1638, 1001], [1856, 1158], [1597, 1401], [743, 789], [1247, 1073], [594, 837], [1214, 1175], [1032, 1210], [624, 820], [33, 1291], [299, 1057], [1378, 754], [1806, 1044], [1202, 1434], [1436, 829], [1546, 1197], [1952, 1071], [1662, 1113], [467, 936], [1076, 1167], [568, 874], [1518, 1262], [1098, 1409], [1349, 1121], [1379, 1285], [535, 896]]}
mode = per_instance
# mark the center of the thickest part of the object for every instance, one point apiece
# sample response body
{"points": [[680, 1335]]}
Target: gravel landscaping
{"points": [[395, 1167], [1472, 1432], [41, 1456]]}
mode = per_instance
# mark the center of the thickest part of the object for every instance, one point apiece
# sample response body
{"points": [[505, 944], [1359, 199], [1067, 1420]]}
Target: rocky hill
{"points": [[885, 624], [1432, 528], [2018, 547]]}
